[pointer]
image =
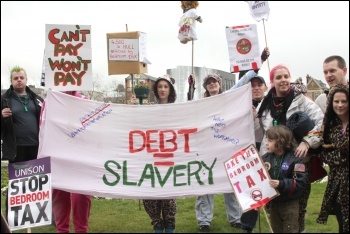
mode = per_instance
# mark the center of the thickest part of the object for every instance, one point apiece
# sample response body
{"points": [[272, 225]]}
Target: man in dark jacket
{"points": [[20, 115]]}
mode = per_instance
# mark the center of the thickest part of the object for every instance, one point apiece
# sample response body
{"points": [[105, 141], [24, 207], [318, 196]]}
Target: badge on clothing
{"points": [[300, 167]]}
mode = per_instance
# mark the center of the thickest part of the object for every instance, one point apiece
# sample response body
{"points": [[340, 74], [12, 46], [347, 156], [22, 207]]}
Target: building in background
{"points": [[132, 80], [181, 74], [314, 87]]}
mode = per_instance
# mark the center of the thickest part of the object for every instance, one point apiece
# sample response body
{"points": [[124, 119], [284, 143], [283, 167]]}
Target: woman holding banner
{"points": [[63, 202], [162, 212]]}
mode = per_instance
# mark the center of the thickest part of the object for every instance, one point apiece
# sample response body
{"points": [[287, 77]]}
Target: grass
{"points": [[129, 216]]}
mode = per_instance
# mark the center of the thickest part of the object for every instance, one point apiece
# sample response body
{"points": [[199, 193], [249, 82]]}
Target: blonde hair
{"points": [[17, 69]]}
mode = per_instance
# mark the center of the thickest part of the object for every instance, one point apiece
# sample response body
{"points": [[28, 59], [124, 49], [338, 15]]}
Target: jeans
{"points": [[205, 208]]}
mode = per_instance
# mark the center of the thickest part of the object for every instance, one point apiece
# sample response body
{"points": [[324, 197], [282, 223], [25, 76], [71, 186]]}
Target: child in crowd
{"points": [[288, 176]]}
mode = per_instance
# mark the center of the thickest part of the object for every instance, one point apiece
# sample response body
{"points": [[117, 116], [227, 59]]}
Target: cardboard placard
{"points": [[124, 51]]}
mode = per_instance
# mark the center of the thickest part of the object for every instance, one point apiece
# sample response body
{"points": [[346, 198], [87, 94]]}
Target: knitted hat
{"points": [[211, 76], [167, 78]]}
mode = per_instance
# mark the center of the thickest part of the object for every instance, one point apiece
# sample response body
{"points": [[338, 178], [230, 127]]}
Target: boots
{"points": [[158, 227], [169, 228]]}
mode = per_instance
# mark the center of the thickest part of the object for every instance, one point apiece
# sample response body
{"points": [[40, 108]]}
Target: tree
{"points": [[96, 92]]}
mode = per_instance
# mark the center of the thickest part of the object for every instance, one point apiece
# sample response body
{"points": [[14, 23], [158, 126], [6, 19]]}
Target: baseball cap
{"points": [[260, 78], [213, 76]]}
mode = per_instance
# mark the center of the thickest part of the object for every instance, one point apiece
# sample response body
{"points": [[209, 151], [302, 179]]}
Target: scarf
{"points": [[278, 106]]}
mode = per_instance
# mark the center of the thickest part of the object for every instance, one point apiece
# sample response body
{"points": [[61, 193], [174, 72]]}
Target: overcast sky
{"points": [[299, 34]]}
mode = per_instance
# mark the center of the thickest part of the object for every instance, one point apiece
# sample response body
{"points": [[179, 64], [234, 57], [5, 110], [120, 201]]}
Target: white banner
{"points": [[145, 151], [259, 9], [243, 47]]}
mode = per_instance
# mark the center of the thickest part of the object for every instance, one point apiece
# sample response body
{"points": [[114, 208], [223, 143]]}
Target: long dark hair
{"points": [[172, 94], [330, 117]]}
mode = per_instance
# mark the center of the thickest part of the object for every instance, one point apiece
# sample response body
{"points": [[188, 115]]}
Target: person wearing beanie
{"points": [[205, 203], [212, 85]]}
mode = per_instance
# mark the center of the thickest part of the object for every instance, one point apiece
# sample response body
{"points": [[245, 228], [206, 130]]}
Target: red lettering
{"points": [[83, 33], [237, 187], [28, 197], [171, 140], [72, 50], [52, 37], [131, 141], [149, 141], [186, 133], [261, 174], [167, 138], [250, 181]]}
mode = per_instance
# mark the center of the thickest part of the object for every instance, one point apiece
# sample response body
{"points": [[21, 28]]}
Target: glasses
{"points": [[211, 81]]}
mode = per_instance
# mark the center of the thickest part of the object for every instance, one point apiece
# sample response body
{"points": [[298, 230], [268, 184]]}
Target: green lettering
{"points": [[148, 167], [104, 178], [177, 168], [210, 175], [162, 181], [195, 173], [125, 175]]}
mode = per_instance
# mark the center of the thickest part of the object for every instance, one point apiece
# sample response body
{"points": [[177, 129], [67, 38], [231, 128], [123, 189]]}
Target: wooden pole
{"points": [[131, 75], [267, 219], [192, 56], [268, 64], [259, 221]]}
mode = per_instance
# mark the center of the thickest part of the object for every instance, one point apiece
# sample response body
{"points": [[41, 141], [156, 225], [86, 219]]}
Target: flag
{"points": [[259, 9]]}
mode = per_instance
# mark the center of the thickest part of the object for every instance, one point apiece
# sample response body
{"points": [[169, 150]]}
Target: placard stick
{"points": [[267, 219], [268, 64]]}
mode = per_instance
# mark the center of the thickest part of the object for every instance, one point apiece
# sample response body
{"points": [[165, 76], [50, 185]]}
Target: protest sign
{"points": [[67, 58], [249, 179], [243, 47], [29, 194], [260, 10]]}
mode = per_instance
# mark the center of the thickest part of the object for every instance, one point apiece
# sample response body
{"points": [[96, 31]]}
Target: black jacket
{"points": [[9, 146], [292, 183]]}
